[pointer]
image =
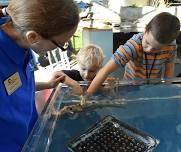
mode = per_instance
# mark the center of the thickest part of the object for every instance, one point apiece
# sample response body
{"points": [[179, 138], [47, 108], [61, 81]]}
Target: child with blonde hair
{"points": [[89, 60]]}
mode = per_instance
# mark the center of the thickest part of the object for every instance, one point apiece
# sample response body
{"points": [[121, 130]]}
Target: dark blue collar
{"points": [[11, 48]]}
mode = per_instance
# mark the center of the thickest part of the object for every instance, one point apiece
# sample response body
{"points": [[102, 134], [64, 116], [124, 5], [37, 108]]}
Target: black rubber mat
{"points": [[112, 135]]}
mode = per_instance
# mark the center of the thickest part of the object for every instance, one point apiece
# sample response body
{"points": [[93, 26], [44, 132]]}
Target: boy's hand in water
{"points": [[84, 98], [112, 82]]}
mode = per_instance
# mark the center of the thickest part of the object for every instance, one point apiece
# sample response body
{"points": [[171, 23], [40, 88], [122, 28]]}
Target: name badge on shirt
{"points": [[12, 83]]}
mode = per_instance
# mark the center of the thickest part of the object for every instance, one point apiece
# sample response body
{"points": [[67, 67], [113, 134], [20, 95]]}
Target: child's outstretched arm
{"points": [[110, 67], [74, 84], [170, 65], [169, 70]]}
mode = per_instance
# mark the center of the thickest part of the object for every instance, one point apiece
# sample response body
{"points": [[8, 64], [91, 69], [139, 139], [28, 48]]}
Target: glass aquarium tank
{"points": [[120, 117]]}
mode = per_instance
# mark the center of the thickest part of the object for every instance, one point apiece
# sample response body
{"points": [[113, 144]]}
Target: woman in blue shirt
{"points": [[41, 25]]}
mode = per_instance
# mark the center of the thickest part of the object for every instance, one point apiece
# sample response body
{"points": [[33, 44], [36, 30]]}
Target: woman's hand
{"points": [[58, 77], [61, 77]]}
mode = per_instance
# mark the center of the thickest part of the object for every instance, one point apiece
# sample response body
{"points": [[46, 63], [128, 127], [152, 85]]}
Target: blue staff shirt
{"points": [[17, 111]]}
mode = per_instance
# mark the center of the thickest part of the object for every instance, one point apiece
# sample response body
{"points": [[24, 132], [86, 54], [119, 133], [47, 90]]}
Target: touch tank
{"points": [[150, 113]]}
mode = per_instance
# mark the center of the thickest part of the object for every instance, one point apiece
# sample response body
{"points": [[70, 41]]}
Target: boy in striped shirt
{"points": [[146, 55]]}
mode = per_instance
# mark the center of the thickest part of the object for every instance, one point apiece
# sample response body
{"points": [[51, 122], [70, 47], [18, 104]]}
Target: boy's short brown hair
{"points": [[164, 27]]}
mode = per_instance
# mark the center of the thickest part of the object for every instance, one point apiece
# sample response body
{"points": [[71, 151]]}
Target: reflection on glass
{"points": [[155, 109]]}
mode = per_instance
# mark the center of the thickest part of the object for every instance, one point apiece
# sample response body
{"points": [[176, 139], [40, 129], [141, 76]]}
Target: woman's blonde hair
{"points": [[90, 55], [47, 17]]}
